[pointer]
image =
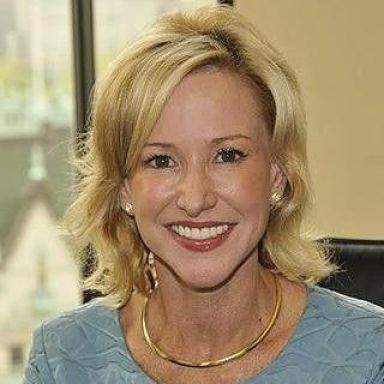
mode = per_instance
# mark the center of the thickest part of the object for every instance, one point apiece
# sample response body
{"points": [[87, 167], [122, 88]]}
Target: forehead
{"points": [[207, 104]]}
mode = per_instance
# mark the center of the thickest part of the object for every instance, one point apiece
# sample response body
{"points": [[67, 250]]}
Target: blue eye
{"points": [[159, 161], [231, 155]]}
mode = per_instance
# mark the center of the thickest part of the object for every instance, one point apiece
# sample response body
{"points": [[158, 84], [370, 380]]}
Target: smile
{"points": [[200, 233], [200, 239]]}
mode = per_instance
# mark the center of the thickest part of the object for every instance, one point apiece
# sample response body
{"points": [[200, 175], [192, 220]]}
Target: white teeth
{"points": [[195, 233], [187, 232], [200, 234], [206, 233]]}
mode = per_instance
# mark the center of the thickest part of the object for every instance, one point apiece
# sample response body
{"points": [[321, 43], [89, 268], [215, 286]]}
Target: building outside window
{"points": [[38, 274]]}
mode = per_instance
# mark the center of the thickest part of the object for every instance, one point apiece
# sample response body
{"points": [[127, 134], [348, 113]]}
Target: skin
{"points": [[202, 297]]}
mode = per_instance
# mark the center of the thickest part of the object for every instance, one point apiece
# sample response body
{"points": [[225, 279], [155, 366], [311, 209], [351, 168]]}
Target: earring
{"points": [[276, 197], [151, 271], [129, 209]]}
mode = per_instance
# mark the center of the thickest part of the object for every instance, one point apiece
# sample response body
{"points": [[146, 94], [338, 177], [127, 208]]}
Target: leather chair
{"points": [[361, 272]]}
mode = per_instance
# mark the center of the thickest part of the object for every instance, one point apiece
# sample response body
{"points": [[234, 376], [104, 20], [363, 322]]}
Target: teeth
{"points": [[200, 234], [206, 232], [196, 233]]}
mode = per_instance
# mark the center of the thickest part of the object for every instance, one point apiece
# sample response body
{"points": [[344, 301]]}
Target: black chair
{"points": [[361, 269]]}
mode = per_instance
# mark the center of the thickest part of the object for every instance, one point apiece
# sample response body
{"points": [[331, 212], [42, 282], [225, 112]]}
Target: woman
{"points": [[194, 187]]}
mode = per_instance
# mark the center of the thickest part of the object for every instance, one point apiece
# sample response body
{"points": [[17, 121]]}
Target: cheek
{"points": [[249, 188], [252, 200], [150, 194], [255, 205]]}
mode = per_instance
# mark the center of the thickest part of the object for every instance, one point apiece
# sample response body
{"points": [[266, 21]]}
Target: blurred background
{"points": [[335, 47]]}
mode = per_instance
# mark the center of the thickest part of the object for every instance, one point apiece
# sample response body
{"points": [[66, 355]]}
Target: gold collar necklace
{"points": [[225, 359]]}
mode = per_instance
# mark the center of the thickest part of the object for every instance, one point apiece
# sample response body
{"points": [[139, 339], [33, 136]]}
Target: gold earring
{"points": [[151, 271], [276, 197], [129, 209]]}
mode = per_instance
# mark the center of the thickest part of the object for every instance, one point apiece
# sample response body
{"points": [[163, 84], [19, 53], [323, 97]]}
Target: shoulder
{"points": [[339, 339], [81, 346], [90, 328], [334, 305], [347, 332], [85, 323], [346, 319]]}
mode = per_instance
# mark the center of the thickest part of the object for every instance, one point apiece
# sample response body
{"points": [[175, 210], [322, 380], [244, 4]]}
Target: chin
{"points": [[206, 278]]}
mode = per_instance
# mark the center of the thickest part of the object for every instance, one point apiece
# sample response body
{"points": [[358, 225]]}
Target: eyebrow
{"points": [[217, 140]]}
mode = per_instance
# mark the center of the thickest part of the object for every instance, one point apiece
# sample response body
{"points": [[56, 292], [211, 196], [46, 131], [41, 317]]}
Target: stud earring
{"points": [[129, 209], [276, 197]]}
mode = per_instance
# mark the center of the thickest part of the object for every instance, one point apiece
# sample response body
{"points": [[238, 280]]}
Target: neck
{"points": [[211, 323]]}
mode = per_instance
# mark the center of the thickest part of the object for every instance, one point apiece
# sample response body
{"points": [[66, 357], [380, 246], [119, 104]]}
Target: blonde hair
{"points": [[127, 102]]}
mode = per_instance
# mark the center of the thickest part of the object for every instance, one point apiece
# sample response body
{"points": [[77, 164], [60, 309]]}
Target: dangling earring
{"points": [[275, 198], [151, 271], [129, 209]]}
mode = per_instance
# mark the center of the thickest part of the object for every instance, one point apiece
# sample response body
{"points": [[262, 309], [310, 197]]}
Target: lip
{"points": [[202, 245], [200, 224]]}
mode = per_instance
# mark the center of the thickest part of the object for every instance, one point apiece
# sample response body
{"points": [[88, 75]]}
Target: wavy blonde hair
{"points": [[127, 102]]}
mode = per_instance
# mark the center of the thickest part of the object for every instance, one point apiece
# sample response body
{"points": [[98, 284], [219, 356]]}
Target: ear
{"points": [[278, 179], [125, 193]]}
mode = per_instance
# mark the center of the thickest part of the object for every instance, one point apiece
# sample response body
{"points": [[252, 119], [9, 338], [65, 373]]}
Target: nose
{"points": [[196, 192]]}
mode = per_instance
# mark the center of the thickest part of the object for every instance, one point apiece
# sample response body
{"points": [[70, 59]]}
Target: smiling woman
{"points": [[194, 187], [224, 180]]}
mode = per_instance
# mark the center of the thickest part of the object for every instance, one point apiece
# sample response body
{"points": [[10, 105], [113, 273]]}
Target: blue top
{"points": [[338, 340]]}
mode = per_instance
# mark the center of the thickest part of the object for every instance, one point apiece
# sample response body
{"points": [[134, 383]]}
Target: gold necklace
{"points": [[225, 359]]}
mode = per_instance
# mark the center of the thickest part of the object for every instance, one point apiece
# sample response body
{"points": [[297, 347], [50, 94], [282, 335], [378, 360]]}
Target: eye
{"points": [[230, 155], [159, 161]]}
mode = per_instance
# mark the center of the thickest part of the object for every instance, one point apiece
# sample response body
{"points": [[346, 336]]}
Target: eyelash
{"points": [[222, 151], [241, 155]]}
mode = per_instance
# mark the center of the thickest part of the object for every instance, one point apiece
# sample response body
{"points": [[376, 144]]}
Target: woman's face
{"points": [[202, 190]]}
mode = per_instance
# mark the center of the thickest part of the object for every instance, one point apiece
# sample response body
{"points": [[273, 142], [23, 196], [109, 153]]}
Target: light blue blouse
{"points": [[338, 340]]}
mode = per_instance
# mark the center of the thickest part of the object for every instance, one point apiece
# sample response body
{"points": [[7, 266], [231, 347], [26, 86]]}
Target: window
{"points": [[38, 276], [129, 18]]}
